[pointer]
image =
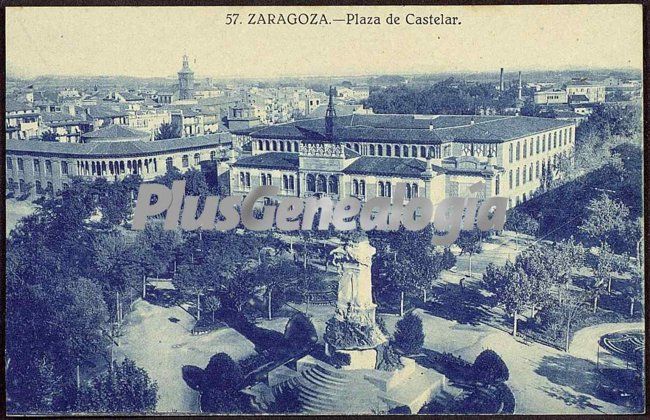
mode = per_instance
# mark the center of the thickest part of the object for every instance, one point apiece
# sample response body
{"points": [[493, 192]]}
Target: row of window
{"points": [[319, 183], [399, 150], [64, 165], [277, 146], [37, 166], [23, 187], [526, 174], [515, 152]]}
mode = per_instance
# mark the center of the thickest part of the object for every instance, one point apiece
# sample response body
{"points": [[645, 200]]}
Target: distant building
{"points": [[595, 93], [111, 153], [185, 81], [22, 120], [552, 96], [242, 117]]}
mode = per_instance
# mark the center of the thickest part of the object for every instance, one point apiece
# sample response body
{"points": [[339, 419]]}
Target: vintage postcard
{"points": [[252, 210]]}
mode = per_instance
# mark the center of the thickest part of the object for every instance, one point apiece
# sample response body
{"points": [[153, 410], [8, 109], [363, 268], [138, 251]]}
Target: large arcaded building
{"points": [[437, 156]]}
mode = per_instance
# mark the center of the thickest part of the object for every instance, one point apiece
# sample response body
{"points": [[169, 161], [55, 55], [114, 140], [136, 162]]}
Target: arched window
{"points": [[248, 179], [169, 163], [432, 152], [397, 151], [275, 146], [372, 150], [186, 161], [523, 181], [197, 158], [423, 152], [389, 192], [525, 148], [321, 183], [348, 145], [389, 150], [510, 153], [537, 170], [282, 146], [267, 145], [50, 188], [355, 187], [362, 188], [382, 190], [414, 151], [530, 172], [414, 190], [380, 150], [497, 185], [405, 151], [262, 179], [291, 183], [64, 167], [260, 145], [285, 182], [311, 183], [531, 147], [21, 165], [356, 147], [408, 191], [510, 179], [333, 185], [39, 189]]}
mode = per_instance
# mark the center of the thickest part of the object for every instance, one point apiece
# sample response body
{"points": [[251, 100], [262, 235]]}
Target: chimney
{"points": [[471, 122], [501, 81], [431, 126], [519, 91]]}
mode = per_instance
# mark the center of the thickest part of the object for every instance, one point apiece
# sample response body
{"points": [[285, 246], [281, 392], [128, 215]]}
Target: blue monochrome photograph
{"points": [[324, 210]]}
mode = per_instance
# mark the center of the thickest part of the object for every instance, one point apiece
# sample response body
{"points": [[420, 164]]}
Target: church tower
{"points": [[186, 81]]}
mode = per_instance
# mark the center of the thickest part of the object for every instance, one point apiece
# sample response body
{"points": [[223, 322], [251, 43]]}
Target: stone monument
{"points": [[353, 331], [359, 374]]}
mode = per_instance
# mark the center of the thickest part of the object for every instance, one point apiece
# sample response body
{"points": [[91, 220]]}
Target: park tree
{"points": [[409, 335], [469, 242], [212, 304], [634, 289], [605, 216], [569, 304], [124, 389], [512, 288], [521, 222], [167, 131]]}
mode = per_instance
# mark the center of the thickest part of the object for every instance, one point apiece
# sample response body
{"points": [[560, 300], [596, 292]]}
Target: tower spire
{"points": [[330, 114]]}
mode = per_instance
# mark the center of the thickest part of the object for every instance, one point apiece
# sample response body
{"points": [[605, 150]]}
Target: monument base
{"points": [[324, 389]]}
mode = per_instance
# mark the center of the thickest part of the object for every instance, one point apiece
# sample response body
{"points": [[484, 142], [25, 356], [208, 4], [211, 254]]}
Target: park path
{"points": [[585, 341], [159, 340]]}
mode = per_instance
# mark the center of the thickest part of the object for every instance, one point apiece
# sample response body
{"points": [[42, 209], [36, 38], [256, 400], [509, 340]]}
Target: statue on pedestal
{"points": [[354, 326]]}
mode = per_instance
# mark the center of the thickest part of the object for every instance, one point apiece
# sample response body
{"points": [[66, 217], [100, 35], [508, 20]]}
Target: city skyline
{"points": [[239, 50]]}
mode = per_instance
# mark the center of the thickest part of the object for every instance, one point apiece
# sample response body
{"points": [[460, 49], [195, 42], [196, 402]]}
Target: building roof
{"points": [[12, 105], [341, 110], [103, 111], [116, 149], [115, 131], [578, 98], [271, 160], [434, 129], [387, 166]]}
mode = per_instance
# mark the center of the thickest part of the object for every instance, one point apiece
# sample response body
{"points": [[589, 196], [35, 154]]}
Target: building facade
{"points": [[185, 81], [38, 166], [435, 156]]}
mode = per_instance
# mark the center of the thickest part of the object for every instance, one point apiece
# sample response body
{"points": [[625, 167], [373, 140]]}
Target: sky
{"points": [[150, 41]]}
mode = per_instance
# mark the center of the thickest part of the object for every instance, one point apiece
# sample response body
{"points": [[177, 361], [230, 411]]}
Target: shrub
{"points": [[339, 359], [409, 336], [222, 373], [381, 324], [490, 368], [300, 331], [448, 259], [193, 376], [224, 402]]}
